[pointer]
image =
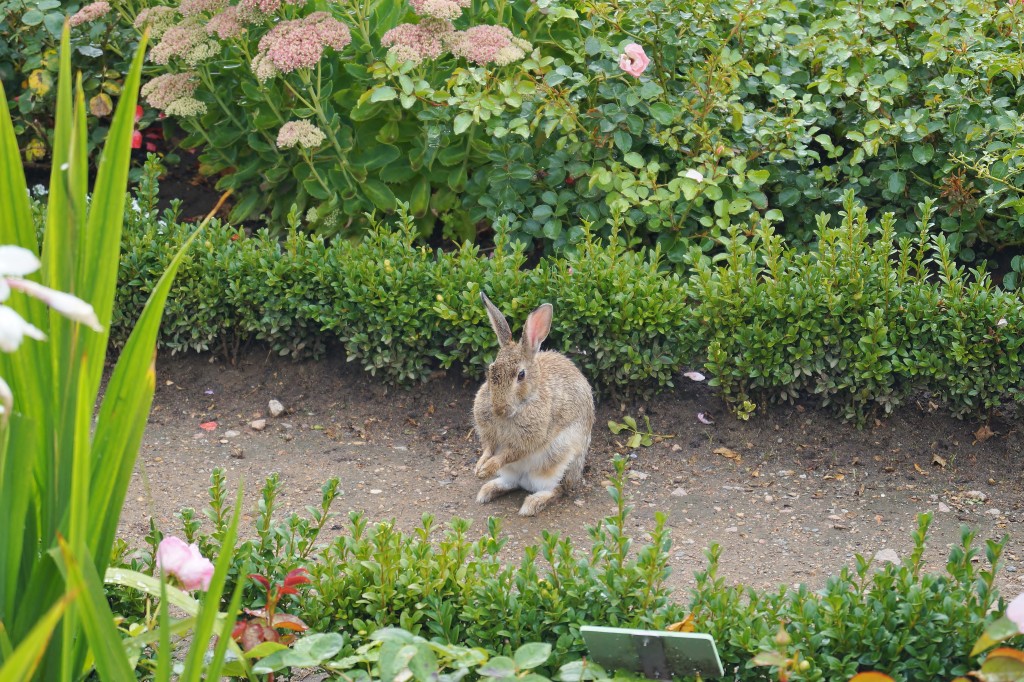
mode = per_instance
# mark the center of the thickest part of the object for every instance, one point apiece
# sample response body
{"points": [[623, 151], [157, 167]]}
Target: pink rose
{"points": [[1015, 612], [184, 562], [634, 60]]}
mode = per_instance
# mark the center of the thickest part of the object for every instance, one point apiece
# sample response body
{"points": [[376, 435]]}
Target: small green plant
{"points": [[640, 437]]}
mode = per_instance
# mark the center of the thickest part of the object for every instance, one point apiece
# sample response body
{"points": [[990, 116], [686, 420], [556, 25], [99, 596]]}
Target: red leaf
{"points": [[239, 629], [289, 622], [259, 578], [297, 577], [286, 590], [136, 140], [253, 636], [138, 113]]}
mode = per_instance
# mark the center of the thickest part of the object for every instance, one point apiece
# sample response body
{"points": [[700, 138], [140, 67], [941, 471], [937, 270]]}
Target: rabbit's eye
{"points": [[522, 375]]}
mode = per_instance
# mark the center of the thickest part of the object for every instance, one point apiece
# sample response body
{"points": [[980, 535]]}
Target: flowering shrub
{"points": [[328, 113], [782, 108], [29, 32]]}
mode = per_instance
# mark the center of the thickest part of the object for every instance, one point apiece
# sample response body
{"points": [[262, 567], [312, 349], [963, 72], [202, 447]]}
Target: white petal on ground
{"points": [[694, 376], [704, 419], [17, 261]]}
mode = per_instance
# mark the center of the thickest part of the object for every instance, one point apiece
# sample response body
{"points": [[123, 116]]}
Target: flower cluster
{"points": [[416, 42], [440, 9], [168, 88], [183, 561], [225, 25], [186, 40], [186, 106], [89, 13], [158, 18], [301, 133], [489, 44], [299, 44], [190, 8]]}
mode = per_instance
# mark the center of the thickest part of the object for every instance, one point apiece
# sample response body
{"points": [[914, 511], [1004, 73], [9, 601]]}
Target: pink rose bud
{"points": [[1015, 612], [634, 60], [185, 563]]}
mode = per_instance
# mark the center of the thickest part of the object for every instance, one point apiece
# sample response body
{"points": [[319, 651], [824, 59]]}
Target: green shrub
{"points": [[781, 107], [451, 589], [859, 323], [899, 620]]}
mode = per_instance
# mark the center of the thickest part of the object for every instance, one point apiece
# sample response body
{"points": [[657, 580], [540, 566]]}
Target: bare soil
{"points": [[792, 497]]}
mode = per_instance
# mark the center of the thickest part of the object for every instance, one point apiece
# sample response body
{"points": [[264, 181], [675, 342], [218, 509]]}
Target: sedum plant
{"points": [[331, 111], [66, 456]]}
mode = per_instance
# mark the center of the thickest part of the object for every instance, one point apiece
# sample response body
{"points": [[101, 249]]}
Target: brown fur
{"points": [[516, 419]]}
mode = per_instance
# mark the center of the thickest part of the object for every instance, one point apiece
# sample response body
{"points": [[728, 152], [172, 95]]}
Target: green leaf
{"points": [[374, 156], [499, 666], [384, 93], [532, 655], [923, 153], [97, 620], [380, 194], [896, 183], [634, 159], [663, 113], [615, 427], [307, 652], [462, 122], [623, 140], [999, 630], [33, 17], [634, 441], [22, 663]]}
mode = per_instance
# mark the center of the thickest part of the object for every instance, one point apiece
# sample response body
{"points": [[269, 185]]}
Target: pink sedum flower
{"points": [[440, 9], [299, 43], [158, 19], [301, 133], [634, 60], [178, 41], [168, 88], [185, 563], [189, 8], [89, 13], [226, 25], [417, 42], [488, 44]]}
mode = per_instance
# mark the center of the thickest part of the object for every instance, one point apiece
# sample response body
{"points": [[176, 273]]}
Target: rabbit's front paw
{"points": [[487, 466]]}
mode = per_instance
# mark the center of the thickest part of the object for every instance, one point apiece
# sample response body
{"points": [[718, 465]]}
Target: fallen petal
{"points": [[695, 376], [1002, 322], [704, 419], [69, 306], [208, 426], [17, 261], [694, 175]]}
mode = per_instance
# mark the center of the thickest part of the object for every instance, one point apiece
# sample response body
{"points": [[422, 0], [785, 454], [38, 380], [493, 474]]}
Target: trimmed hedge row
{"points": [[860, 322]]}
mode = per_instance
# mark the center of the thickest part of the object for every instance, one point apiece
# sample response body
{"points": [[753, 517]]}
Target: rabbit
{"points": [[534, 415]]}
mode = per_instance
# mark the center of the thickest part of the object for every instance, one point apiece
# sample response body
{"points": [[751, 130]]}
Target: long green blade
{"points": [[96, 617], [22, 664]]}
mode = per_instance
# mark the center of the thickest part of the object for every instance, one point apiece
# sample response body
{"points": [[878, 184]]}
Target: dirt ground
{"points": [[794, 495]]}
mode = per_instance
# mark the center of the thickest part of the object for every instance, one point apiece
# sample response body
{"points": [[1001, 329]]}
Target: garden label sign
{"points": [[656, 654]]}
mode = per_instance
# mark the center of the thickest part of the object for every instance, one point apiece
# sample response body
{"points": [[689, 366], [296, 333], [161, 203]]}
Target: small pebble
{"points": [[258, 424], [275, 407], [232, 434]]}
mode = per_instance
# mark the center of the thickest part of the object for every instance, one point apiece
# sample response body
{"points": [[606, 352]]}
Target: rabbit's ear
{"points": [[538, 324], [498, 322]]}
